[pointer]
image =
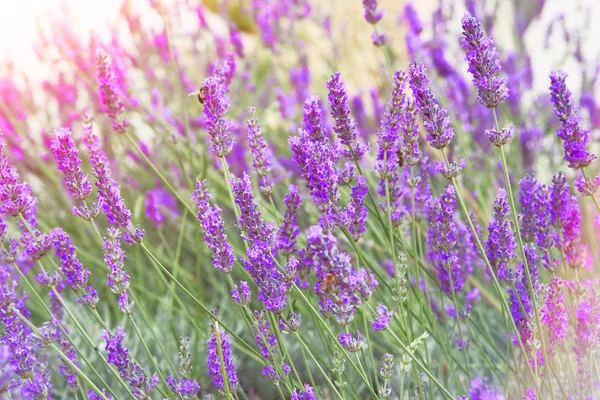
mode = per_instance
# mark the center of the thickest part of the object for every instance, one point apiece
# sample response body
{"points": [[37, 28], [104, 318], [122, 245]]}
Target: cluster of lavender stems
{"points": [[478, 279]]}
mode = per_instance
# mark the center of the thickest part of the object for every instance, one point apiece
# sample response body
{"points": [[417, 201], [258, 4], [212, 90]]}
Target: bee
{"points": [[327, 284], [400, 155], [200, 94]]}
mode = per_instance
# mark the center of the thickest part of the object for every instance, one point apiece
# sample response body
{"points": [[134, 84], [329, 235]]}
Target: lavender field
{"points": [[294, 199]]}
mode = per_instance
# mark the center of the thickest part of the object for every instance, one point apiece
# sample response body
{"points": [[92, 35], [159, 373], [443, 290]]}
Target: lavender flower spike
{"points": [[482, 58], [356, 209], [67, 158], [437, 123], [117, 279], [219, 342], [345, 127], [442, 241], [215, 105], [575, 138], [500, 245], [15, 195], [214, 229], [261, 156], [288, 230], [112, 105], [371, 14], [142, 386]]}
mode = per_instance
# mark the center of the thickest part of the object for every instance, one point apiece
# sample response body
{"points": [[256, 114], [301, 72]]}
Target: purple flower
{"points": [[109, 191], [566, 217], [356, 209], [241, 297], [160, 205], [312, 120], [265, 339], [307, 394], [213, 229], [553, 314], [535, 211], [442, 238], [316, 157], [117, 279], [530, 394], [259, 257], [142, 386], [345, 127], [67, 158], [339, 286], [16, 335], [184, 388], [499, 137], [261, 155], [215, 105], [219, 346], [371, 14], [39, 385], [481, 390], [437, 123], [253, 227], [15, 195], [291, 324], [587, 336], [521, 299], [76, 275], [384, 317], [288, 230], [350, 343], [379, 39], [482, 57], [108, 89], [500, 245], [409, 128], [235, 37], [575, 138], [92, 395], [387, 164]]}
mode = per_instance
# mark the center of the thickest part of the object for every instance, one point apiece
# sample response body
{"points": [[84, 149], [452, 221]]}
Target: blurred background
{"points": [[20, 22]]}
